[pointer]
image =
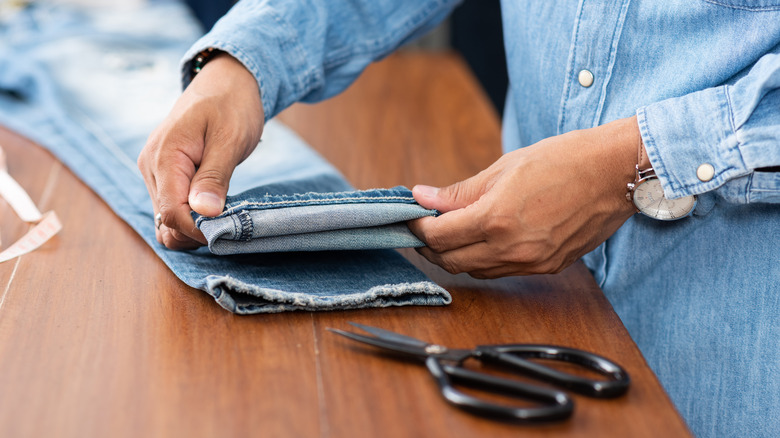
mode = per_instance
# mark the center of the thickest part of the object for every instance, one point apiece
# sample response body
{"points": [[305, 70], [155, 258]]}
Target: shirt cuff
{"points": [[692, 143], [259, 38]]}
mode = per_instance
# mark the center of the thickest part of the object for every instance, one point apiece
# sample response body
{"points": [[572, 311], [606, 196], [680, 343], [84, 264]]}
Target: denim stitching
{"points": [[315, 202], [246, 226], [764, 8], [306, 75], [569, 78], [236, 230], [361, 198], [615, 38]]}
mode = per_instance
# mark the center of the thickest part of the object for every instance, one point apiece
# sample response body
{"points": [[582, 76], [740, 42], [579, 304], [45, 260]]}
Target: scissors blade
{"points": [[383, 343], [391, 336]]}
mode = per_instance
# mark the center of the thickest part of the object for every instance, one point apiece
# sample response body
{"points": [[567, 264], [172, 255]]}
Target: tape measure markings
{"points": [[46, 225]]}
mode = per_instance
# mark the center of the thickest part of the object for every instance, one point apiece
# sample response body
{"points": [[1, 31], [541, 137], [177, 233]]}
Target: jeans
{"points": [[293, 217], [90, 84]]}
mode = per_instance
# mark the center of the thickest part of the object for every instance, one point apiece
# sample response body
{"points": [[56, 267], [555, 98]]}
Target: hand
{"points": [[535, 210], [188, 160]]}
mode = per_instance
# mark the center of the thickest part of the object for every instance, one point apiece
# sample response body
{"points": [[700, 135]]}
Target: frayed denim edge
{"points": [[422, 293]]}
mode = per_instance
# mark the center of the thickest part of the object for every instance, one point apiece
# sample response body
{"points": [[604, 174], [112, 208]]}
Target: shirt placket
{"points": [[595, 38]]}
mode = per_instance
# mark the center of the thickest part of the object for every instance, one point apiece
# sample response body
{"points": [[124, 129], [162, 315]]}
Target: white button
{"points": [[586, 78], [705, 172]]}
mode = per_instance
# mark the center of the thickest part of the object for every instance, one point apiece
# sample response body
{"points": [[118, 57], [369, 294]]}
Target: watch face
{"points": [[650, 200]]}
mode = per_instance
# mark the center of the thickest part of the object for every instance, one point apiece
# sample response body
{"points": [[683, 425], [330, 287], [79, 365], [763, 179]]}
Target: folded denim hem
{"points": [[313, 221], [242, 298]]}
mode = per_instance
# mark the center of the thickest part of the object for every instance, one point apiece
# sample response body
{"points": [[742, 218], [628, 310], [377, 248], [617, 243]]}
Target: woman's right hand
{"points": [[188, 160]]}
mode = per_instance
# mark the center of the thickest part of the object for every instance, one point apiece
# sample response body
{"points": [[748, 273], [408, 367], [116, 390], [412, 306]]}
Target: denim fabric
{"points": [[293, 217], [91, 83], [700, 296]]}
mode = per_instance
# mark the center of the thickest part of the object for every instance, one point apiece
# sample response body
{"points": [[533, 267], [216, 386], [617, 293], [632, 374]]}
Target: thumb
{"points": [[452, 197], [209, 186]]}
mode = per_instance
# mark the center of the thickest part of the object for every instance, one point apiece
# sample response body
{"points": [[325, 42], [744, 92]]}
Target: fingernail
{"points": [[205, 202], [426, 191]]}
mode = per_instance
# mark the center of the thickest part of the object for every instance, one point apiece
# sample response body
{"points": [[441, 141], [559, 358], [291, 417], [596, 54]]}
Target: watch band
{"points": [[643, 160], [640, 172], [647, 194]]}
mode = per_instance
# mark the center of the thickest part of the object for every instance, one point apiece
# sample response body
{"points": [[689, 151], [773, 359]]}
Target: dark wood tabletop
{"points": [[99, 338]]}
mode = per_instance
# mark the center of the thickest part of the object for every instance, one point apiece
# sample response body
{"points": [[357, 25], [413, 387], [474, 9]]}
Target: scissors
{"points": [[446, 366]]}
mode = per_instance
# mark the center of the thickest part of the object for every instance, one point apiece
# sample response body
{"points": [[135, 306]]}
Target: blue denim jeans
{"points": [[292, 216], [90, 84]]}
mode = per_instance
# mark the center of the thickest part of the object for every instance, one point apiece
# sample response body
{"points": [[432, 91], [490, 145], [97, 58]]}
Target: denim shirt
{"points": [[702, 76], [700, 296]]}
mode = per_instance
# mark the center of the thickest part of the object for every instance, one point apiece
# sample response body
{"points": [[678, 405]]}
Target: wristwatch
{"points": [[648, 196]]}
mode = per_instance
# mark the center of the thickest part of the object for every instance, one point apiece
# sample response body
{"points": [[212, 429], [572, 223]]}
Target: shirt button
{"points": [[705, 172], [586, 78]]}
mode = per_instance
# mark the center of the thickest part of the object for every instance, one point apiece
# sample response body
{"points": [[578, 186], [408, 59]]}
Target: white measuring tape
{"points": [[46, 225]]}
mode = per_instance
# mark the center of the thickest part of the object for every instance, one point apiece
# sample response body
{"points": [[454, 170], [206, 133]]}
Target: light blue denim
{"points": [[700, 296], [292, 216], [90, 84]]}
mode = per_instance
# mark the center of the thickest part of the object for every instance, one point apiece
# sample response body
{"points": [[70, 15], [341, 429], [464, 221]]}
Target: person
{"points": [[687, 92]]}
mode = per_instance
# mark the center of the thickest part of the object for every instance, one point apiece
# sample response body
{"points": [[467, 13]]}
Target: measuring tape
{"points": [[46, 225]]}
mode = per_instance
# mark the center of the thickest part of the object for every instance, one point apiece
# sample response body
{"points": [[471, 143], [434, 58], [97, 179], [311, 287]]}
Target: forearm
{"points": [[308, 51]]}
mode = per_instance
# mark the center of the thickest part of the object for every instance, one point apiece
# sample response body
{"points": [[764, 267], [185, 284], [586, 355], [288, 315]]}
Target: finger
{"points": [[506, 270], [151, 188], [448, 198], [175, 240], [454, 196], [209, 186], [477, 256], [480, 260], [158, 166], [497, 266], [451, 230], [173, 184], [500, 272]]}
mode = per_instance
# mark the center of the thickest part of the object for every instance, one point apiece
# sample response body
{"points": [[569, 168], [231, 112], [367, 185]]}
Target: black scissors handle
{"points": [[555, 405], [515, 356]]}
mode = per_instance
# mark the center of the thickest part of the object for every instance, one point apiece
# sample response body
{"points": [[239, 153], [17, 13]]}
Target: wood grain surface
{"points": [[98, 338]]}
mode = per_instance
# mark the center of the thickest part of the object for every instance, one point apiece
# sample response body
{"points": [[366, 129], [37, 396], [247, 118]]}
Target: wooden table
{"points": [[99, 338]]}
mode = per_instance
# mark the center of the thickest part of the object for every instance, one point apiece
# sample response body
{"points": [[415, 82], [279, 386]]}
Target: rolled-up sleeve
{"points": [[311, 50], [724, 139]]}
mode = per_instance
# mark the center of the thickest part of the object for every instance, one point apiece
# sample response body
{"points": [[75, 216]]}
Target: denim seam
{"points": [[304, 75], [569, 77], [734, 129], [745, 8], [236, 229], [728, 122], [246, 226], [603, 264], [730, 110], [761, 190], [314, 202], [615, 39], [730, 130]]}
